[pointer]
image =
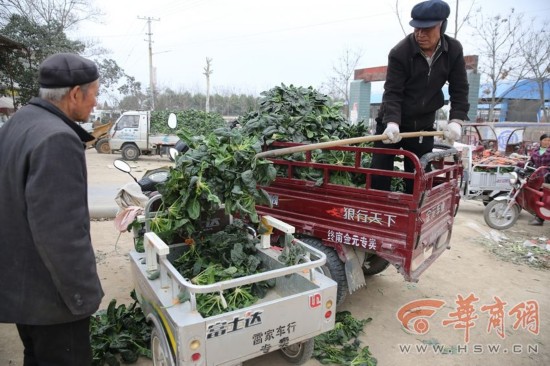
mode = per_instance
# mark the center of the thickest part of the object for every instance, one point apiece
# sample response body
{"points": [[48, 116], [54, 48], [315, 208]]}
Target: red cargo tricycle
{"points": [[363, 230], [530, 192]]}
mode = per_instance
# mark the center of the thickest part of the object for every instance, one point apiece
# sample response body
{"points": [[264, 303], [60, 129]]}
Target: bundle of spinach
{"points": [[221, 256], [303, 115], [119, 333], [218, 169], [340, 346], [298, 114]]}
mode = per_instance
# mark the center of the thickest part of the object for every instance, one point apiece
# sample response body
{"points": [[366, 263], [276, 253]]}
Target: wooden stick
{"points": [[350, 141]]}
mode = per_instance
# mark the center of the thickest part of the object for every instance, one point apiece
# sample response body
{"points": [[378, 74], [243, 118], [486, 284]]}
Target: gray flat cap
{"points": [[429, 13], [66, 69]]}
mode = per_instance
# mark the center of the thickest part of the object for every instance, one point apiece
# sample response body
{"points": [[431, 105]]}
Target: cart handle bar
{"points": [[342, 142]]}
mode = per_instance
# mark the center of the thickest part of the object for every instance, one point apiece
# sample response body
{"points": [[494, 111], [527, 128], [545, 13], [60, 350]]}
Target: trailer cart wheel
{"points": [[102, 146], [162, 356], [130, 152], [334, 268], [374, 264], [298, 353]]}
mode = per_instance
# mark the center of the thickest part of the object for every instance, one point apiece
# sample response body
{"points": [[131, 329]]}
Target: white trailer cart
{"points": [[483, 180], [301, 306]]}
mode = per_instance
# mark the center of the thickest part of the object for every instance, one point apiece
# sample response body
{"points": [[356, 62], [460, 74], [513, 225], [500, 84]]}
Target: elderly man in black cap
{"points": [[50, 286], [418, 68]]}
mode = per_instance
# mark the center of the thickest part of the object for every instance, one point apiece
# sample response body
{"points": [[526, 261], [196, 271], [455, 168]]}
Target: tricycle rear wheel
{"points": [[493, 214], [334, 268], [298, 353]]}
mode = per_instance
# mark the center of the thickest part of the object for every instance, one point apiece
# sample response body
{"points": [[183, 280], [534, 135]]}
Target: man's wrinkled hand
{"points": [[392, 132], [453, 130]]}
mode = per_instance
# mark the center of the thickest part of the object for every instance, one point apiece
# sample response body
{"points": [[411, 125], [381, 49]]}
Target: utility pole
{"points": [[207, 72], [151, 74]]}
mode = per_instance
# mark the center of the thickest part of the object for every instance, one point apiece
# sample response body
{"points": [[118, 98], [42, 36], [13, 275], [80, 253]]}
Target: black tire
{"points": [[298, 353], [494, 210], [374, 264], [334, 268], [160, 350], [102, 146], [130, 152]]}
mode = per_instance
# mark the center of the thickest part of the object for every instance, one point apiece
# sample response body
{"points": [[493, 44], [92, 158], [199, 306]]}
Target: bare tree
{"points": [[64, 13], [498, 38], [535, 49], [464, 19], [398, 14], [337, 86], [207, 72]]}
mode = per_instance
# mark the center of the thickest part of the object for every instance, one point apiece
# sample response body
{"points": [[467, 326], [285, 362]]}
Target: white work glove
{"points": [[452, 130], [392, 131]]}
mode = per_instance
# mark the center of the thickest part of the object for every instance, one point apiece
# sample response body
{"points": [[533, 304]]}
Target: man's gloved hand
{"points": [[392, 131], [452, 130]]}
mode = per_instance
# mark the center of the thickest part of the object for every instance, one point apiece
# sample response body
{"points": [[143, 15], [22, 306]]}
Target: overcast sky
{"points": [[255, 44]]}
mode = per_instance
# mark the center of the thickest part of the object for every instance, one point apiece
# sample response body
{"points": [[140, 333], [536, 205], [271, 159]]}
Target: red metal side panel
{"points": [[409, 230]]}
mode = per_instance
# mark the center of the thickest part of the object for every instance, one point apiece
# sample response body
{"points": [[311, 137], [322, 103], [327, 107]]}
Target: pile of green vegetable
{"points": [[218, 169], [303, 115], [119, 333], [298, 114], [341, 346], [222, 256]]}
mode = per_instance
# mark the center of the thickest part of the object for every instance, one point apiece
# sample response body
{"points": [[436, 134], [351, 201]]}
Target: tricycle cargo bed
{"points": [[408, 230], [299, 307]]}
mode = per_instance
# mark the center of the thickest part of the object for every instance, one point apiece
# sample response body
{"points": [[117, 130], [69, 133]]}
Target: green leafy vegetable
{"points": [[119, 330], [340, 345]]}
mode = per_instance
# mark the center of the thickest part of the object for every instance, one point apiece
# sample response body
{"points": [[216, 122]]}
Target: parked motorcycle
{"points": [[530, 192]]}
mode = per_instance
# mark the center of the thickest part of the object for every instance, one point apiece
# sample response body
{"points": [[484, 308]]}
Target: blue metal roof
{"points": [[524, 89]]}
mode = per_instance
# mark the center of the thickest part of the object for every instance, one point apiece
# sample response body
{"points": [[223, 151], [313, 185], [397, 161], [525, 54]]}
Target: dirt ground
{"points": [[483, 264]]}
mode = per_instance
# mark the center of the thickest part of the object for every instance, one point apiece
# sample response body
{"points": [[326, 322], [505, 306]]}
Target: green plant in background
{"points": [[341, 346], [200, 122], [119, 333]]}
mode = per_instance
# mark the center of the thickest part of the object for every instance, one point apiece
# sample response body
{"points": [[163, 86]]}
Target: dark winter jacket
{"points": [[48, 273], [412, 91]]}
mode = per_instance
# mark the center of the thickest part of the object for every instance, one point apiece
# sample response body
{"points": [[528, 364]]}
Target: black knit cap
{"points": [[429, 13], [66, 69]]}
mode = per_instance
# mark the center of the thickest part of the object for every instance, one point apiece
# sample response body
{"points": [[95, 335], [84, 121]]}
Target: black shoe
{"points": [[537, 221]]}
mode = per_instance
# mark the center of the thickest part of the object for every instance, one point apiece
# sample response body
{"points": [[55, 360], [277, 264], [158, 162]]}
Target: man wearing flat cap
{"points": [[49, 286], [418, 68]]}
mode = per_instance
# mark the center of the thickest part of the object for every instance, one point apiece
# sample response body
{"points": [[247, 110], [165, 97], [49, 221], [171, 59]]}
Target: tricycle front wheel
{"points": [[494, 214], [298, 353]]}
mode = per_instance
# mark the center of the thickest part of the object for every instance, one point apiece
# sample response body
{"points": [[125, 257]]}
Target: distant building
{"points": [[368, 103], [518, 102]]}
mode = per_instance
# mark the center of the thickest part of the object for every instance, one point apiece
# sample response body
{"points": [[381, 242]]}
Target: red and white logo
{"points": [[314, 300]]}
